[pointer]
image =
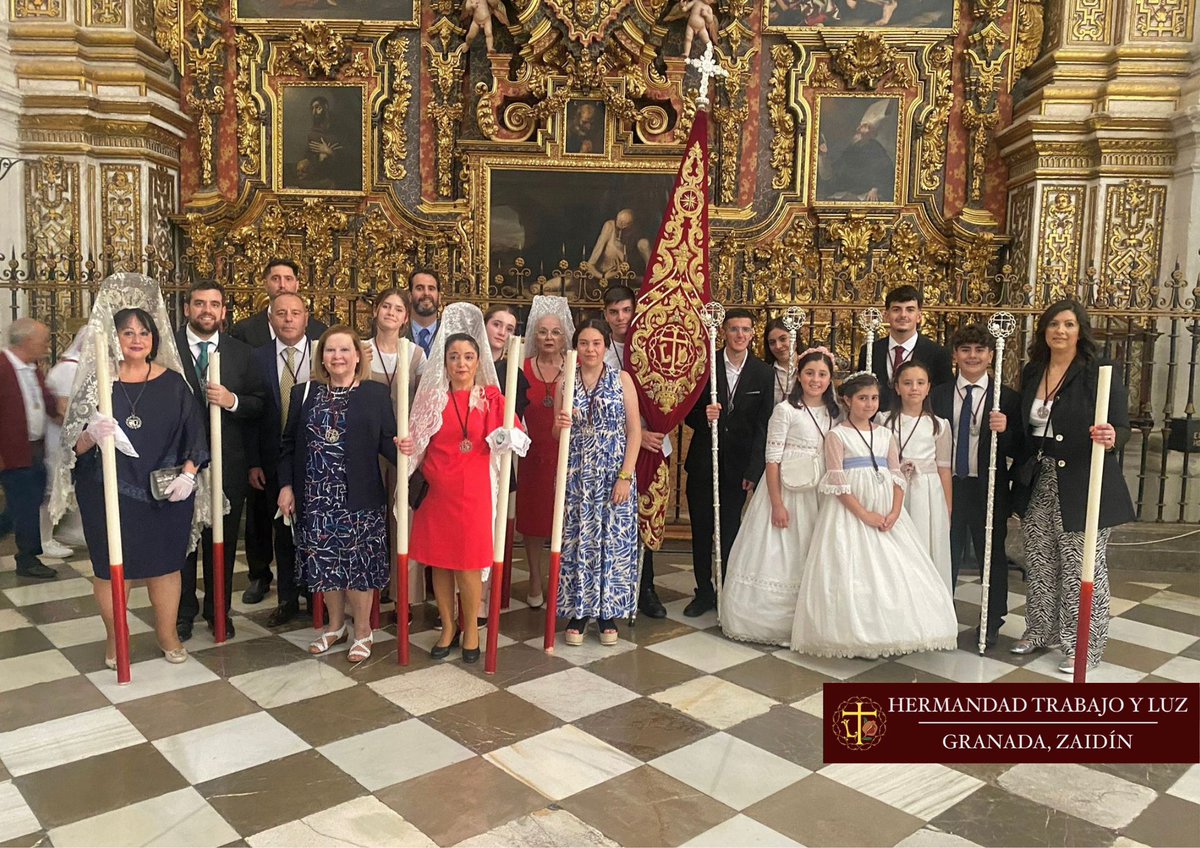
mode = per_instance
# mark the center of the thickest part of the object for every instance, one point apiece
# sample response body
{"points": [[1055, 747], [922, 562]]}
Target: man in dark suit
{"points": [[280, 364], [902, 310], [967, 404], [745, 395], [280, 276], [241, 394], [27, 405], [425, 288]]}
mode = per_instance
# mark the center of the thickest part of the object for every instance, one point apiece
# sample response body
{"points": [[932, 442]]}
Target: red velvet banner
{"points": [[667, 353], [1013, 723]]}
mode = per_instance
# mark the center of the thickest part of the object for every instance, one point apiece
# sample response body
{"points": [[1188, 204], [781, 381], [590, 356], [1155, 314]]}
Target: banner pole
{"points": [[1001, 326]]}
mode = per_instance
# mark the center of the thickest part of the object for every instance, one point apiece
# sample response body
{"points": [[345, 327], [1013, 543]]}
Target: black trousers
{"points": [[967, 525], [700, 508], [647, 579], [24, 491], [189, 606], [260, 516]]}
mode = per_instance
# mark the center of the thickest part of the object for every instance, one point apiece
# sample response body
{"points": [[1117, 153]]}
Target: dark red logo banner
{"points": [[1033, 723]]}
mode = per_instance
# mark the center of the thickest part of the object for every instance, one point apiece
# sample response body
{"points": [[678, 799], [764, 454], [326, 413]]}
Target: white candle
{"points": [[564, 444], [217, 474], [1091, 527]]}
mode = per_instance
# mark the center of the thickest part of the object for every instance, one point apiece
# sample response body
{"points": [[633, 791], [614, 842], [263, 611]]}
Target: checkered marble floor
{"points": [[673, 737]]}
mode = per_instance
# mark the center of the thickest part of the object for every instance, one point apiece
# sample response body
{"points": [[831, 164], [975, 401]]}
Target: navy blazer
{"points": [[370, 428], [926, 351], [743, 429], [1070, 446], [263, 450], [1008, 446]]}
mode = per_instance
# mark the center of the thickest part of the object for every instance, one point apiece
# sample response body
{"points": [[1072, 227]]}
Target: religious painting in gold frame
{"points": [[585, 127], [575, 229], [857, 152], [390, 13], [912, 16], [321, 138]]}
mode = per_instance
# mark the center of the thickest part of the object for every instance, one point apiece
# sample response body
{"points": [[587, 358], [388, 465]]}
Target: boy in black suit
{"points": [[967, 404], [241, 395], [746, 395], [902, 310]]}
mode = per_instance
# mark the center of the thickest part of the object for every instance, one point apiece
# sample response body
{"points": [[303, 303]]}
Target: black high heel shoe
{"points": [[470, 655], [440, 652]]}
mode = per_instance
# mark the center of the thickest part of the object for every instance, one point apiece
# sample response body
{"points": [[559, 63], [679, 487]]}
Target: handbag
{"points": [[800, 472], [161, 478], [418, 488]]}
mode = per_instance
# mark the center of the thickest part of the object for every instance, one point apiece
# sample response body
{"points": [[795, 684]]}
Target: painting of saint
{"points": [[322, 138], [391, 11], [585, 126], [861, 14], [856, 151], [602, 225]]}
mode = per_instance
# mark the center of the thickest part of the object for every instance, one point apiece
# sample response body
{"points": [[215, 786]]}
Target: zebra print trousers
{"points": [[1054, 565]]}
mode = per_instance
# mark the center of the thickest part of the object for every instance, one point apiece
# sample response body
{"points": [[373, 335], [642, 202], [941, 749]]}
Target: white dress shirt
{"points": [[733, 375], [31, 394], [978, 401], [194, 345]]}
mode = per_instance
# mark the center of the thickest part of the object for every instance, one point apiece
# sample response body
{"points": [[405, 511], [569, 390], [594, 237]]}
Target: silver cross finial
{"points": [[707, 67]]}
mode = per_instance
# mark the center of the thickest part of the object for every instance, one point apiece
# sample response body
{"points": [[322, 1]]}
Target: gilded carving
{"points": [[586, 20], [320, 221], [1061, 229], [783, 122], [731, 118], [249, 118], [864, 60], [315, 49], [393, 128], [1030, 28], [107, 12], [37, 9], [985, 59], [52, 209], [446, 110], [1020, 228], [1089, 21], [202, 241], [121, 215], [143, 17], [932, 137], [823, 77], [161, 208], [1158, 19], [166, 26], [1133, 226], [855, 234]]}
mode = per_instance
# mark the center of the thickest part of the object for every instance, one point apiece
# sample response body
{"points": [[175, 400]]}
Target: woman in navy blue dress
{"points": [[155, 409], [332, 486]]}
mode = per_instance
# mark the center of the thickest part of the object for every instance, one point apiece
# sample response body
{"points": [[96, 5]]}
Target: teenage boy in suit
{"points": [[967, 404], [902, 311], [745, 397]]}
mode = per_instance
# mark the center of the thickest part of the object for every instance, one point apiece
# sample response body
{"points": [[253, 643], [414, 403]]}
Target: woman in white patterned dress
{"points": [[762, 581], [869, 588], [924, 448]]}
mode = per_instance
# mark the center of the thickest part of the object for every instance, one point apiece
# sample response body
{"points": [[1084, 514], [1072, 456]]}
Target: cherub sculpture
{"points": [[701, 21], [481, 13]]}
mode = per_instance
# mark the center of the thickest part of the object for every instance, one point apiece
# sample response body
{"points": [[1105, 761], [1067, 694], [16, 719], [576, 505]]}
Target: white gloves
{"points": [[181, 488], [515, 440], [100, 426]]}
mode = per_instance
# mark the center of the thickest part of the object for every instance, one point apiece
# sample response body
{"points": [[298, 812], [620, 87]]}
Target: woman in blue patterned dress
{"points": [[600, 535], [331, 484]]}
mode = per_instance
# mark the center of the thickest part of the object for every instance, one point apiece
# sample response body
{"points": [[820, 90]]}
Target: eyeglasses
{"points": [[544, 333]]}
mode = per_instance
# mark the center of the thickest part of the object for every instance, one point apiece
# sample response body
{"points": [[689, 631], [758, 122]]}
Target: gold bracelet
{"points": [[625, 475]]}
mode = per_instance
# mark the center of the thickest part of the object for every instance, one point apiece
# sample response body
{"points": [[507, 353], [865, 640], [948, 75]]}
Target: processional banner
{"points": [[667, 355]]}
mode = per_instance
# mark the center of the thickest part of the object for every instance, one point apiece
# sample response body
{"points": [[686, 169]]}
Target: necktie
{"points": [[202, 362], [286, 380], [423, 339], [897, 359], [962, 444]]}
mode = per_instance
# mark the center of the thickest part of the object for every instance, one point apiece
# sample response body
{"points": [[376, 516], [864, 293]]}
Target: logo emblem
{"points": [[859, 723]]}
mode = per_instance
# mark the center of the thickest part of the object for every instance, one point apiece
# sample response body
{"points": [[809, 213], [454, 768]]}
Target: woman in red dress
{"points": [[457, 433], [545, 349]]}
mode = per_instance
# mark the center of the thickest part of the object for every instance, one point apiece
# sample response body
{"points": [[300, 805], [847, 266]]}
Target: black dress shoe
{"points": [[229, 631], [699, 605], [256, 591], [184, 629], [650, 606], [440, 652], [37, 571], [283, 613], [470, 655]]}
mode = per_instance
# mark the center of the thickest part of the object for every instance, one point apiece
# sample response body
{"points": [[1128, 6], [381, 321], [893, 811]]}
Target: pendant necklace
{"points": [[589, 429], [548, 400], [870, 445], [133, 421], [465, 445], [383, 363], [1041, 409], [332, 434], [899, 431]]}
